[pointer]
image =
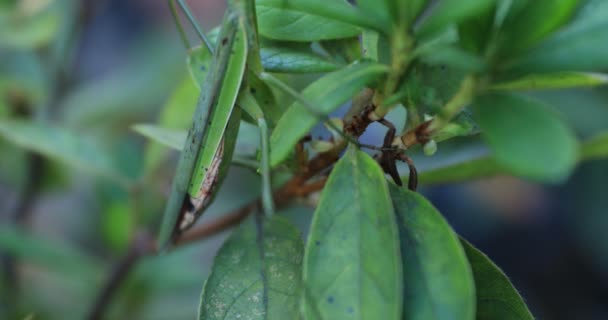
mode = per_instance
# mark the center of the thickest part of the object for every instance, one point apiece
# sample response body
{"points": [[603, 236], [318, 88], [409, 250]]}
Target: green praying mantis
{"points": [[228, 89], [212, 136]]}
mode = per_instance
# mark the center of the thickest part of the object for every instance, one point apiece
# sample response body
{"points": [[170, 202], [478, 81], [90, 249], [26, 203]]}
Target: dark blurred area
{"points": [[552, 241]]}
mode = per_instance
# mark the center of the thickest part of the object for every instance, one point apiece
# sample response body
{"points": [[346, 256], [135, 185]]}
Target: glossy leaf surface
{"points": [[256, 273], [352, 267], [526, 137], [437, 278]]}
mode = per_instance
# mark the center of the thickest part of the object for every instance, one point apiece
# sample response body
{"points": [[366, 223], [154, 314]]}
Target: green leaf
{"points": [[481, 167], [596, 147], [382, 10], [327, 94], [351, 266], [279, 20], [496, 296], [437, 279], [579, 46], [63, 145], [256, 273], [475, 33], [462, 125], [526, 137], [276, 59], [408, 11], [48, 253], [531, 23], [172, 138], [324, 15], [557, 80], [451, 12]]}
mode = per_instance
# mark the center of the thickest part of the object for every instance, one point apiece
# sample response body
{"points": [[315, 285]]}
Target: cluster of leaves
{"points": [[373, 250]]}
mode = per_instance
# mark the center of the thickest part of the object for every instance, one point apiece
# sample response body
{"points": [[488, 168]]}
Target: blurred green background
{"points": [[81, 73]]}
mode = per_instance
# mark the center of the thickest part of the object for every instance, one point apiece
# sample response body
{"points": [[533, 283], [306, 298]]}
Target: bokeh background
{"points": [[97, 67]]}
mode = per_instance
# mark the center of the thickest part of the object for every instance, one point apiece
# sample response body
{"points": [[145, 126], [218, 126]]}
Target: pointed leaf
{"points": [[310, 20], [526, 137], [63, 145], [256, 274], [557, 80], [596, 147], [352, 267], [451, 12], [496, 296], [481, 167], [531, 23], [437, 279], [285, 20], [327, 94], [172, 138], [579, 46], [276, 59]]}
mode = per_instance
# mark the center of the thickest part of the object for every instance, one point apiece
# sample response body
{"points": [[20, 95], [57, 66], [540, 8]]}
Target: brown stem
{"points": [[142, 245], [220, 224]]}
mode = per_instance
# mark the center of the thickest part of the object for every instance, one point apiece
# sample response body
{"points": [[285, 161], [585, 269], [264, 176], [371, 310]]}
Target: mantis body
{"points": [[211, 138]]}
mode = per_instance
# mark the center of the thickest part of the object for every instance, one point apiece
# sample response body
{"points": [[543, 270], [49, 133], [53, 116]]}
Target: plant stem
{"points": [[463, 96]]}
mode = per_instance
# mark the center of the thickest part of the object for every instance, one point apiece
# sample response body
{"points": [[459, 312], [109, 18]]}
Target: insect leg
{"points": [[389, 155], [193, 22], [248, 103]]}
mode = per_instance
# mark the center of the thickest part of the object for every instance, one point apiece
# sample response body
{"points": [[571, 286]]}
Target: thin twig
{"points": [[142, 245]]}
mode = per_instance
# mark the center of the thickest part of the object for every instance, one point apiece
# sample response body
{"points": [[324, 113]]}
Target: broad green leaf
{"points": [[526, 137], [496, 297], [63, 145], [48, 253], [408, 11], [383, 10], [557, 80], [276, 59], [475, 33], [579, 46], [487, 166], [327, 94], [596, 147], [256, 274], [451, 12], [437, 279], [481, 167], [278, 22], [351, 266], [530, 24], [310, 20]]}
